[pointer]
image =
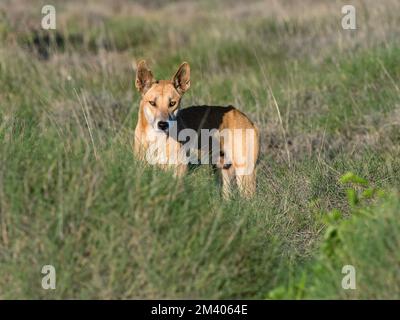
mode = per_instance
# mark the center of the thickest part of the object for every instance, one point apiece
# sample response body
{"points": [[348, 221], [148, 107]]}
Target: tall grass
{"points": [[72, 194]]}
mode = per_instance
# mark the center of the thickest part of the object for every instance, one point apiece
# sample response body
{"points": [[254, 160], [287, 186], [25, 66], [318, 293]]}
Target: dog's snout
{"points": [[162, 125]]}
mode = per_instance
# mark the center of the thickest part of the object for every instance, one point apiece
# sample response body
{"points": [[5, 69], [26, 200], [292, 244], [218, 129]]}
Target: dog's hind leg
{"points": [[228, 178], [246, 184]]}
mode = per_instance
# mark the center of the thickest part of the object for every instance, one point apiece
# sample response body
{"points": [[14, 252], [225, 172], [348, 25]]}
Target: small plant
{"points": [[360, 189], [359, 194]]}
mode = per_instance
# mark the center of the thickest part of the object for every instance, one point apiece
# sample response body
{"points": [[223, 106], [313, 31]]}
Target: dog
{"points": [[162, 123]]}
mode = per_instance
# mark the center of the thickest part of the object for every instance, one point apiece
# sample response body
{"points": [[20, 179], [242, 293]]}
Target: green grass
{"points": [[73, 195], [357, 241]]}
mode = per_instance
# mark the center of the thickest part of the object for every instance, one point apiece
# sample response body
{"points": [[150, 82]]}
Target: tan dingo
{"points": [[162, 124]]}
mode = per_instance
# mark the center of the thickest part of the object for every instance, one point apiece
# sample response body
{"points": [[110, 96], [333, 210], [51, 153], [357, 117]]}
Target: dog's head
{"points": [[161, 98]]}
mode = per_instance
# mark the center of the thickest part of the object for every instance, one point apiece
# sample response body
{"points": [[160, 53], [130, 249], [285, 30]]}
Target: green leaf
{"points": [[352, 197], [350, 177]]}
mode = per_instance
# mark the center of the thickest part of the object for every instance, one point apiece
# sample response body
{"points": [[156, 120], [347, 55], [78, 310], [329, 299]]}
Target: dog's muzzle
{"points": [[163, 125]]}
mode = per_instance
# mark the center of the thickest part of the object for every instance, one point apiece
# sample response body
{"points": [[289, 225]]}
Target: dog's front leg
{"points": [[180, 170], [176, 157], [139, 149]]}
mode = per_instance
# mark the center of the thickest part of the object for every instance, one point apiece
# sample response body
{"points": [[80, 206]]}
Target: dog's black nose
{"points": [[162, 125]]}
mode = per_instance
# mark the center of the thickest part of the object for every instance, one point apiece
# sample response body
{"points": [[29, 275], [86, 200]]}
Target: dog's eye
{"points": [[153, 103], [172, 103]]}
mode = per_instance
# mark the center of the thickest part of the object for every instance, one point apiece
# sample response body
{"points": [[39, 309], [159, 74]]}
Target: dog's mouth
{"points": [[160, 131], [166, 132]]}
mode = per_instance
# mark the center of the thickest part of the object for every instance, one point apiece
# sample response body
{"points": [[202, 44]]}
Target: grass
{"points": [[358, 242], [72, 194]]}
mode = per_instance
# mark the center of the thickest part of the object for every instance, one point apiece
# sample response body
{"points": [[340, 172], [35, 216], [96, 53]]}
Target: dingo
{"points": [[161, 123]]}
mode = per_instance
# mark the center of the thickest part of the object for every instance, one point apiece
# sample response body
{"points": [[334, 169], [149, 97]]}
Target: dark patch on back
{"points": [[202, 117]]}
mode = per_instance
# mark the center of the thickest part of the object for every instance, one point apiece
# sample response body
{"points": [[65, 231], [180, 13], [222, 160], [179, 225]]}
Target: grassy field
{"points": [[72, 195]]}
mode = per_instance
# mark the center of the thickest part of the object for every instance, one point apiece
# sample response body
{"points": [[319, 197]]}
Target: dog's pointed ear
{"points": [[181, 79], [144, 77]]}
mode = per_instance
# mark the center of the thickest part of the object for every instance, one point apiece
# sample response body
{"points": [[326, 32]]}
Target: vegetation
{"points": [[72, 195]]}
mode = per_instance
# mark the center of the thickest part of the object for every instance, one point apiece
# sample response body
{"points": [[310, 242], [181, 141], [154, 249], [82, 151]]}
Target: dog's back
{"points": [[213, 117]]}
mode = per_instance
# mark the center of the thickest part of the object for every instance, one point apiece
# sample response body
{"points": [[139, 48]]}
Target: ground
{"points": [[72, 194]]}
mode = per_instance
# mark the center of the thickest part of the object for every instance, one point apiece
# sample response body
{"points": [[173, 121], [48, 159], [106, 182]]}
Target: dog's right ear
{"points": [[144, 77]]}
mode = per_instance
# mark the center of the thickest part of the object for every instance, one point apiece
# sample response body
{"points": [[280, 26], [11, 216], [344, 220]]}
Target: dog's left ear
{"points": [[181, 79]]}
